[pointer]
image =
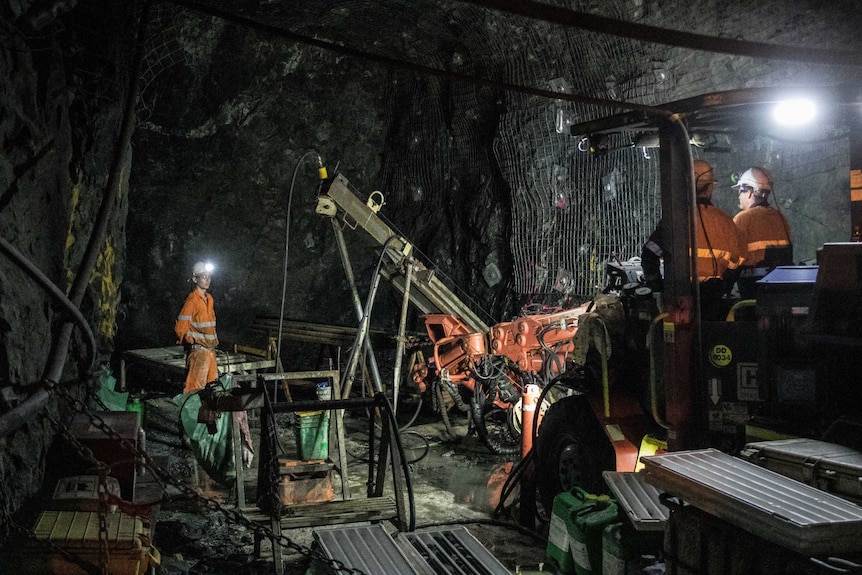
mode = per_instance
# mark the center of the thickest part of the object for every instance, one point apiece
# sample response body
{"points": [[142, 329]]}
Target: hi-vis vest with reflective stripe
{"points": [[196, 322], [718, 244], [760, 227]]}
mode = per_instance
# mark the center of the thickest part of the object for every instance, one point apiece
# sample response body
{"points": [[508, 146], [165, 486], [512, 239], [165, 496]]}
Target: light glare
{"points": [[795, 112]]}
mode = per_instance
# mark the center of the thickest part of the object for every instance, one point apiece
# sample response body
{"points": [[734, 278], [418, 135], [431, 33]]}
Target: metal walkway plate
{"points": [[454, 551], [369, 549], [372, 550], [639, 499], [776, 508]]}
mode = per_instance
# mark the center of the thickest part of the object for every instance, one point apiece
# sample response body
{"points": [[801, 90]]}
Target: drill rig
{"points": [[483, 369]]}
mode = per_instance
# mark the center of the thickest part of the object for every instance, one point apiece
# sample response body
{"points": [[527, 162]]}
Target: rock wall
{"points": [[63, 76]]}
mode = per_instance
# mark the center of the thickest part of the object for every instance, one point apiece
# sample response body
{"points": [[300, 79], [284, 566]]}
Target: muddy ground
{"points": [[455, 481]]}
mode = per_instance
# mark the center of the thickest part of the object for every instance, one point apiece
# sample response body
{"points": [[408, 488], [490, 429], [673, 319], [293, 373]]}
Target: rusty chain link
{"points": [[164, 478], [7, 519], [102, 489]]}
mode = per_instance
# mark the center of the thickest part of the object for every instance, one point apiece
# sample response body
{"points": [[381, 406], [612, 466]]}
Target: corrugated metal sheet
{"points": [[639, 499], [774, 507], [374, 551], [367, 548], [455, 552]]}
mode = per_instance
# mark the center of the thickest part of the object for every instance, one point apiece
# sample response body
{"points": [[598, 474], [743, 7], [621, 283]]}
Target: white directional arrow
{"points": [[714, 390]]}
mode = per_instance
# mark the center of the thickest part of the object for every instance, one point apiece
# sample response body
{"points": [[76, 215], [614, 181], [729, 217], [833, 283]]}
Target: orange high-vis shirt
{"points": [[718, 245], [760, 227], [196, 322], [196, 326]]}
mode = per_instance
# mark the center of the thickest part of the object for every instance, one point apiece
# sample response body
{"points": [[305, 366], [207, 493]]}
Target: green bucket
{"points": [[312, 435]]}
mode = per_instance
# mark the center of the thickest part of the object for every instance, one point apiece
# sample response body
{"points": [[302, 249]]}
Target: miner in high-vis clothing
{"points": [[763, 230], [196, 330], [719, 250]]}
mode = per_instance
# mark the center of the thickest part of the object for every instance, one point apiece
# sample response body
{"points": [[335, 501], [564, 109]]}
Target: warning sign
{"points": [[720, 355], [746, 382]]}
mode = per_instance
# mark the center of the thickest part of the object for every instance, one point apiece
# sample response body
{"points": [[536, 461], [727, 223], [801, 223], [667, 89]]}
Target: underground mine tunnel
{"points": [[430, 287]]}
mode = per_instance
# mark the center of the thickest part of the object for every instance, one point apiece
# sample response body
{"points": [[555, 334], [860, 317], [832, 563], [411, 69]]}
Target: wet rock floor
{"points": [[455, 482]]}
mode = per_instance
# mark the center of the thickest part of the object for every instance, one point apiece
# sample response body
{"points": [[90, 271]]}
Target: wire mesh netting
{"points": [[566, 210]]}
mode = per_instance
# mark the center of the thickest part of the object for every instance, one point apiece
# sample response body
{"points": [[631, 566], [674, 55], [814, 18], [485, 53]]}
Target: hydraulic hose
{"points": [[46, 284], [405, 468], [287, 248], [477, 403]]}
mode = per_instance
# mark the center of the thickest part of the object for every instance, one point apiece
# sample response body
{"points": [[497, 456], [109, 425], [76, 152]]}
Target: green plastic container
{"points": [[566, 506], [585, 533], [312, 435], [623, 546], [135, 404]]}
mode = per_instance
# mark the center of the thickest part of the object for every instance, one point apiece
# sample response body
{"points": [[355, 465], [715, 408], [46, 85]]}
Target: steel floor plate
{"points": [[776, 508], [639, 499], [442, 551]]}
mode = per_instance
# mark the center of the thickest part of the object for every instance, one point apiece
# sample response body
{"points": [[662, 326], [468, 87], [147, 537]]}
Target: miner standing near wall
{"points": [[196, 330]]}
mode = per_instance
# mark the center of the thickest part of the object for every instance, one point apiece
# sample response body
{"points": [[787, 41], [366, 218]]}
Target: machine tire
{"points": [[571, 451]]}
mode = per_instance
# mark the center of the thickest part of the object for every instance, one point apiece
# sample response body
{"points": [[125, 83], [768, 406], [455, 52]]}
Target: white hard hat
{"points": [[758, 179], [202, 268]]}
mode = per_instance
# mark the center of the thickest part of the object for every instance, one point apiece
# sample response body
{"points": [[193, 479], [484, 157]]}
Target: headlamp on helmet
{"points": [[202, 268]]}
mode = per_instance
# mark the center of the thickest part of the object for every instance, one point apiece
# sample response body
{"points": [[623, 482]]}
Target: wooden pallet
{"points": [[329, 512]]}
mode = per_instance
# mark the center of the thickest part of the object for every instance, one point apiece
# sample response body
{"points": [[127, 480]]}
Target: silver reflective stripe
{"points": [[654, 248], [184, 318], [203, 324], [203, 335]]}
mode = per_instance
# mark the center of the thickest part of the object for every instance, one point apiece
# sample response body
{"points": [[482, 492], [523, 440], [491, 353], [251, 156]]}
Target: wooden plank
{"points": [[317, 333], [329, 512], [174, 359]]}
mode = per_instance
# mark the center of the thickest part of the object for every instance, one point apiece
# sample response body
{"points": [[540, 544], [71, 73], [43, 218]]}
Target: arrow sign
{"points": [[714, 390]]}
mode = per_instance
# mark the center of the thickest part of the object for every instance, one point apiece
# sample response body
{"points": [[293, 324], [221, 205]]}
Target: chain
{"points": [[103, 519], [102, 488], [164, 478], [45, 543]]}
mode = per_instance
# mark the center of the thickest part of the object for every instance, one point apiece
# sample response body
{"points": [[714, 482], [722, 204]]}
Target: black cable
{"points": [[396, 434], [512, 481], [407, 425], [425, 440], [286, 248], [42, 280]]}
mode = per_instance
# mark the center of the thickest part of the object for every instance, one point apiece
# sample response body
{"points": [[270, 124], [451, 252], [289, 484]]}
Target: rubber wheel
{"points": [[571, 451]]}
